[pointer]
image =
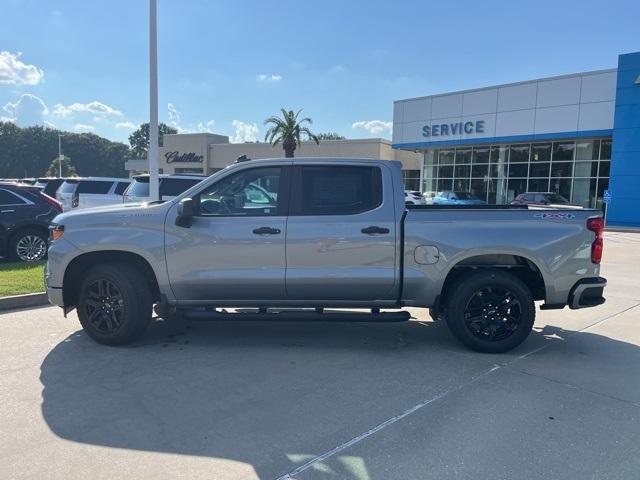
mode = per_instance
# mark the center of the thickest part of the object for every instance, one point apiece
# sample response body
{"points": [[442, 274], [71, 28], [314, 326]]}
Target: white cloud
{"points": [[373, 126], [27, 110], [15, 72], [126, 125], [245, 132], [274, 77], [95, 108], [80, 127], [206, 127], [175, 118]]}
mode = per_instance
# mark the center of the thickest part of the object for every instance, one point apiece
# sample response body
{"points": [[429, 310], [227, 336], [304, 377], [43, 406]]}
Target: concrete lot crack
{"points": [[330, 453], [573, 387]]}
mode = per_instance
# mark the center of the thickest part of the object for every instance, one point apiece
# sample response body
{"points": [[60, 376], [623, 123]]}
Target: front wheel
{"points": [[114, 305], [490, 311]]}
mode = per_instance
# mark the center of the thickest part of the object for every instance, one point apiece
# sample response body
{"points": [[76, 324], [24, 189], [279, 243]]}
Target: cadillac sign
{"points": [[177, 157]]}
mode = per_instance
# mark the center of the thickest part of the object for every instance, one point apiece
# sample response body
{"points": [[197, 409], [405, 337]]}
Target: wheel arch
{"points": [[73, 273], [518, 265]]}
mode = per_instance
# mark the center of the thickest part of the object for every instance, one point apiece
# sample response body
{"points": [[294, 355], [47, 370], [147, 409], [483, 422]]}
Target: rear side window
{"points": [[173, 187], [139, 187], [8, 198], [94, 186], [68, 187], [121, 187], [336, 190]]}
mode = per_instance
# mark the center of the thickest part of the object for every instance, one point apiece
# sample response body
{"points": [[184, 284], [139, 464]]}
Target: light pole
{"points": [[60, 155], [154, 191]]}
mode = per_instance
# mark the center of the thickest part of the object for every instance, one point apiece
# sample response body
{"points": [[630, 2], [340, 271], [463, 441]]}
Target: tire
{"points": [[114, 304], [28, 245], [490, 311]]}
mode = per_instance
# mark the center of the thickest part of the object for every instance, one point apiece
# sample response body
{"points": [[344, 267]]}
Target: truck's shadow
{"points": [[270, 395]]}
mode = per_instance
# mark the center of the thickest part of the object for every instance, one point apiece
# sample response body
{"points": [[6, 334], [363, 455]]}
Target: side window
{"points": [[121, 187], [251, 192], [531, 198], [173, 187], [336, 190], [8, 198], [94, 186]]}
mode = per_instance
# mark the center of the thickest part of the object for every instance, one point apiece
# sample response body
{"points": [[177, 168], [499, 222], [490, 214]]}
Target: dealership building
{"points": [[577, 135]]}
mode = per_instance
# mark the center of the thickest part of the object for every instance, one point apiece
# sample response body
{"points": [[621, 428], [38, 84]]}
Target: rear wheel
{"points": [[29, 245], [490, 311], [114, 305]]}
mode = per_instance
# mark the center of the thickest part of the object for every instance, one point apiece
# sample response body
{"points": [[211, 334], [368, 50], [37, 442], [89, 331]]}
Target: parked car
{"points": [[541, 198], [412, 197], [25, 213], [337, 234], [91, 192], [170, 187], [456, 198], [428, 197], [49, 185]]}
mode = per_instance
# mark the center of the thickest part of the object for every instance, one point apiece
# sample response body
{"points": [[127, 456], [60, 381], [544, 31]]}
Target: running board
{"points": [[296, 316]]}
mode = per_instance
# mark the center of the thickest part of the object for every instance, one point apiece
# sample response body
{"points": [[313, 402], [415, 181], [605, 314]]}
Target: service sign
{"points": [[452, 129]]}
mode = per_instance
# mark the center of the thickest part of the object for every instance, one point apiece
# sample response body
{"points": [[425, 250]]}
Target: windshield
{"points": [[69, 186], [464, 196], [139, 188], [555, 198]]}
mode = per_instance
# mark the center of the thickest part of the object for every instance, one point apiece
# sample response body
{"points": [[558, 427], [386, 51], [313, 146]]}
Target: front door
{"points": [[341, 235], [235, 247]]}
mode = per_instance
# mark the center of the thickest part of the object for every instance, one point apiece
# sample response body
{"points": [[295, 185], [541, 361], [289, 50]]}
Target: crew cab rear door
{"points": [[341, 233]]}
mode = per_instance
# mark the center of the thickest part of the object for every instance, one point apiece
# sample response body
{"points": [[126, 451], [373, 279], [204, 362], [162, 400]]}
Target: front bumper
{"points": [[55, 296], [587, 293]]}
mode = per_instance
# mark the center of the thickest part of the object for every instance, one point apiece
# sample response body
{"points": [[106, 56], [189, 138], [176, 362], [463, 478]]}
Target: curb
{"points": [[24, 301]]}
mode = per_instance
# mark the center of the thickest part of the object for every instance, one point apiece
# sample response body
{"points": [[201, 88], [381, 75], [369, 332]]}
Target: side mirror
{"points": [[186, 211]]}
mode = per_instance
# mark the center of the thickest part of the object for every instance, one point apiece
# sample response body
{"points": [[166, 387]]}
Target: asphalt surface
{"points": [[328, 401]]}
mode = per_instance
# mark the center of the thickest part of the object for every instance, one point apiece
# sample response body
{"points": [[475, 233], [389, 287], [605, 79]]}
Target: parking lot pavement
{"points": [[327, 401]]}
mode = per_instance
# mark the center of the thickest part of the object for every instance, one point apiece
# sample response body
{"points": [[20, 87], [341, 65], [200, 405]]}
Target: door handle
{"points": [[374, 230], [7, 211], [266, 231]]}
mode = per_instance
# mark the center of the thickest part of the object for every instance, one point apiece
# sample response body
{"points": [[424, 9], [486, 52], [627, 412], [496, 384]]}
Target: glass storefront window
{"points": [[446, 157], [587, 149], [463, 155], [480, 171], [515, 187], [499, 172], [444, 184], [463, 171], [519, 153], [480, 155], [538, 185], [518, 170], [563, 151], [561, 186], [586, 169], [541, 152], [540, 169], [605, 150], [584, 192], [562, 169]]}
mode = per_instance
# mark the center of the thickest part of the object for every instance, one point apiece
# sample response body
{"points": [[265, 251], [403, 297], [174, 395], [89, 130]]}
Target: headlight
{"points": [[55, 231]]}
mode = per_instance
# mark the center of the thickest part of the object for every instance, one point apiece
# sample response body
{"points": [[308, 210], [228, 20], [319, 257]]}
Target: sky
{"points": [[225, 65]]}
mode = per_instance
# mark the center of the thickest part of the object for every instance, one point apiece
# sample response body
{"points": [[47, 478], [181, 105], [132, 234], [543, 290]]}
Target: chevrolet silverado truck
{"points": [[297, 239]]}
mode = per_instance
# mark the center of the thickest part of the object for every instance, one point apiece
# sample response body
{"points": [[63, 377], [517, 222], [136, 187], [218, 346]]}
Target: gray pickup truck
{"points": [[288, 239]]}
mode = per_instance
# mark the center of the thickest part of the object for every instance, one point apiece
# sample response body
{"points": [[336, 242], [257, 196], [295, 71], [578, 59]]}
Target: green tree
{"points": [[330, 136], [27, 152], [288, 130], [68, 170], [139, 140]]}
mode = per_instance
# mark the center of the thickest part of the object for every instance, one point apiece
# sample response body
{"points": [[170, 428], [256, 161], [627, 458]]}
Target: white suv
{"points": [[170, 187], [91, 192]]}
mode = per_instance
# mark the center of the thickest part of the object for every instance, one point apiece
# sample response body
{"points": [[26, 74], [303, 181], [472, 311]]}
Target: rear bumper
{"points": [[587, 293]]}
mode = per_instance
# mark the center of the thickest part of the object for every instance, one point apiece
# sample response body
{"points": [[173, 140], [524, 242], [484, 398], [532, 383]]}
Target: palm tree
{"points": [[288, 130]]}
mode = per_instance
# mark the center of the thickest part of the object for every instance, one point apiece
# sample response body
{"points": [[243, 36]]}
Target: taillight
{"points": [[52, 201], [596, 225]]}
